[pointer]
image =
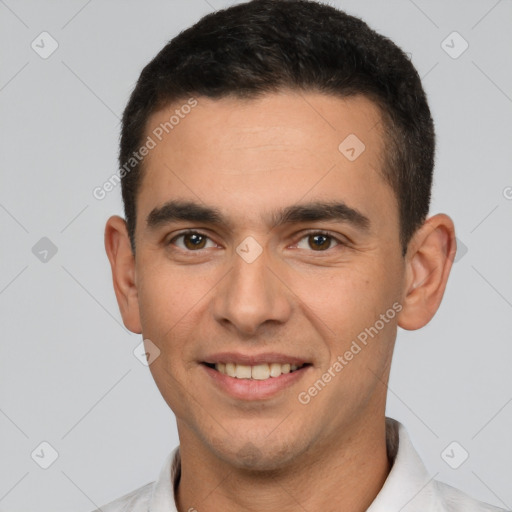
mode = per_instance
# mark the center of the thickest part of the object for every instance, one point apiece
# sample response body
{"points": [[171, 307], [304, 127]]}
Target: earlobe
{"points": [[429, 260], [122, 262]]}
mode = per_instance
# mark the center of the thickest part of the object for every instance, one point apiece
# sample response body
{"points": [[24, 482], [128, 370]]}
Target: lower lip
{"points": [[252, 389]]}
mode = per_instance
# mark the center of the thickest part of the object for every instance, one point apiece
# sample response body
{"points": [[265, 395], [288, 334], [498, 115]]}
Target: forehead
{"points": [[258, 153], [305, 122]]}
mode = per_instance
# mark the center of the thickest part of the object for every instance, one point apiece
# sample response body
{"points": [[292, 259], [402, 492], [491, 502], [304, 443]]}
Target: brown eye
{"points": [[317, 241], [192, 241]]}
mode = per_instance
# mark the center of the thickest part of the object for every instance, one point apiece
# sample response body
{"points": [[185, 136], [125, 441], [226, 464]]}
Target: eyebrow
{"points": [[190, 211]]}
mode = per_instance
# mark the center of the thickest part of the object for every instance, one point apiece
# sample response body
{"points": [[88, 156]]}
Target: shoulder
{"points": [[455, 500], [135, 501], [158, 495], [409, 487]]}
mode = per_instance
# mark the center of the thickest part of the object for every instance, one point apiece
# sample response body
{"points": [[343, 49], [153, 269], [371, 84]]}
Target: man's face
{"points": [[255, 288]]}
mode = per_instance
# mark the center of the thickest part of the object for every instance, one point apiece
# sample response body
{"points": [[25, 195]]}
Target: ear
{"points": [[429, 260], [122, 261]]}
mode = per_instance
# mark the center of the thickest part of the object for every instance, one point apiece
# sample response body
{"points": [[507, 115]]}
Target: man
{"points": [[276, 162]]}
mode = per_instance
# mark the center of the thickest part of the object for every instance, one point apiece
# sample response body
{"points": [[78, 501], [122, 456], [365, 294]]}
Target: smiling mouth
{"points": [[256, 372]]}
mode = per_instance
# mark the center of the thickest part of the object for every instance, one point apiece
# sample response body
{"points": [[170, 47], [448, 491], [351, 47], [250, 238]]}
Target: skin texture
{"points": [[249, 158]]}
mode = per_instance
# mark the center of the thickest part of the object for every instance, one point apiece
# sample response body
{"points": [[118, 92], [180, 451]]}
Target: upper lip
{"points": [[253, 359]]}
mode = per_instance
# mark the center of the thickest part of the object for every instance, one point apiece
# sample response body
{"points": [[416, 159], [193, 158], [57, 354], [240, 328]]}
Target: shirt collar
{"points": [[408, 486]]}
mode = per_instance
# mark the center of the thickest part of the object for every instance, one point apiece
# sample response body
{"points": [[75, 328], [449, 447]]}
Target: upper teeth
{"points": [[258, 372]]}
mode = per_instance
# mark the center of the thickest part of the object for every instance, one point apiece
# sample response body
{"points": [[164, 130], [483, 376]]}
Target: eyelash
{"points": [[304, 235]]}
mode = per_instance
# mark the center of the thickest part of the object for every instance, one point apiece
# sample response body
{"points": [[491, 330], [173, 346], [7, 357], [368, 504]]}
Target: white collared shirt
{"points": [[408, 487]]}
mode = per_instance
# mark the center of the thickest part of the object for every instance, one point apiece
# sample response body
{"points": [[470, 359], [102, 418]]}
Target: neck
{"points": [[346, 473]]}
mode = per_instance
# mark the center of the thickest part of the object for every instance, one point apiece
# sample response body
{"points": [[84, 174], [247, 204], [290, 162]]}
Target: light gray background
{"points": [[68, 374]]}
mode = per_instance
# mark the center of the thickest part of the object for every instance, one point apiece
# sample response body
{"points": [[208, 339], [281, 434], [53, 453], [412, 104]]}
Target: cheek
{"points": [[346, 305], [163, 301], [359, 340], [168, 301], [166, 294], [173, 305], [342, 298], [158, 302]]}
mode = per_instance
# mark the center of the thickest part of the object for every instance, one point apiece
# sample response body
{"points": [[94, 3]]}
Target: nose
{"points": [[251, 296]]}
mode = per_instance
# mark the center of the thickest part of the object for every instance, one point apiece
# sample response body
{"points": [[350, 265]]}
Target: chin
{"points": [[258, 455]]}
